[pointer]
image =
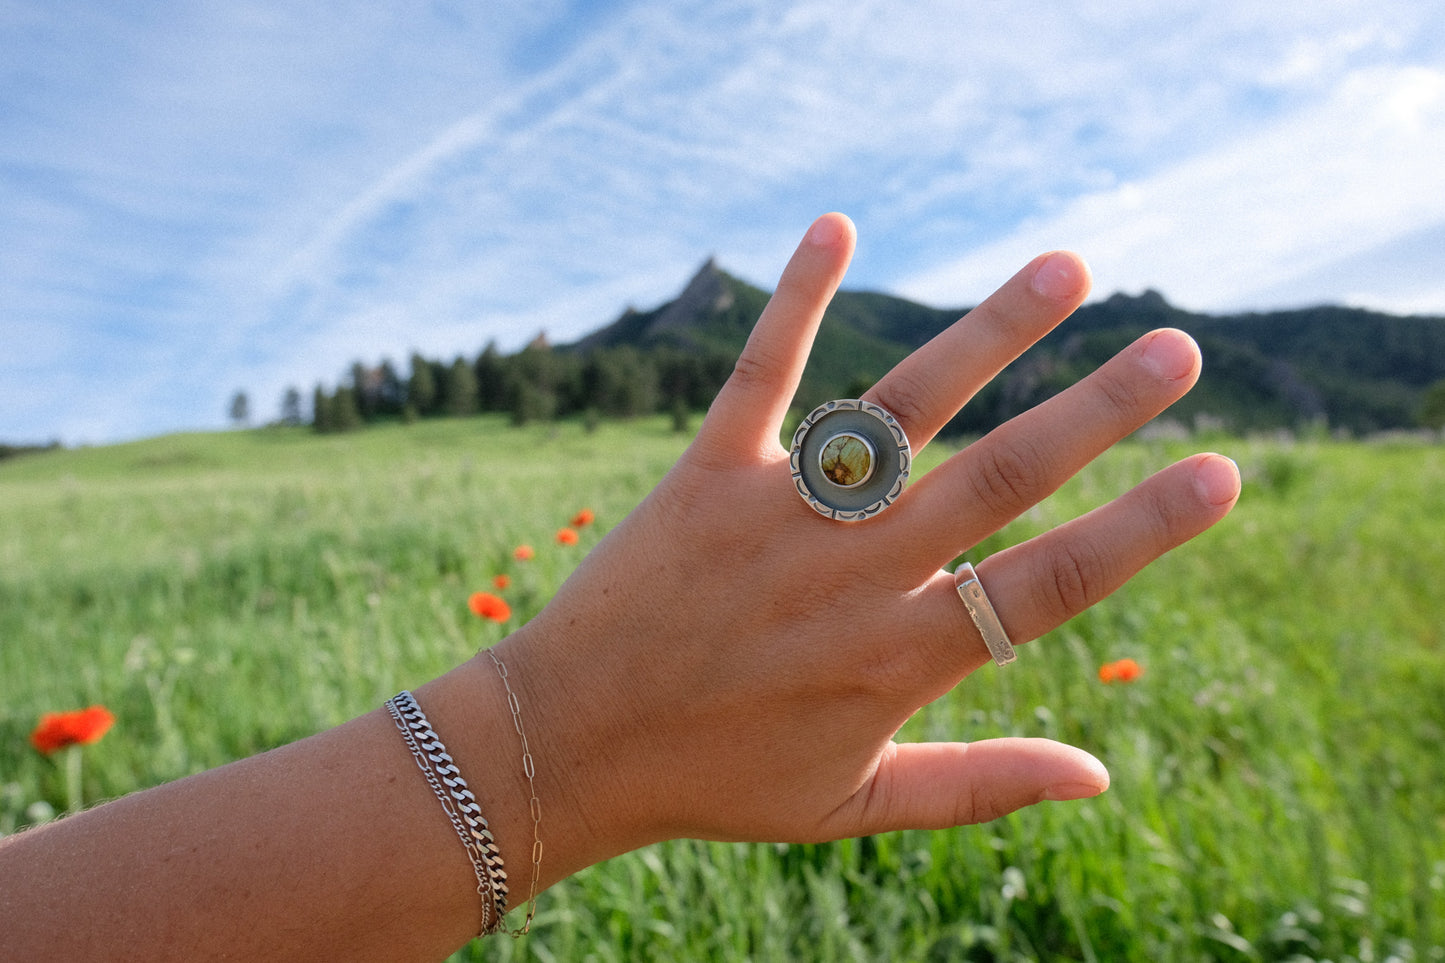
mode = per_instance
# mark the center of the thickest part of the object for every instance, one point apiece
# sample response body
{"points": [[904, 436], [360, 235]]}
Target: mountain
{"points": [[863, 334], [1359, 370], [714, 312]]}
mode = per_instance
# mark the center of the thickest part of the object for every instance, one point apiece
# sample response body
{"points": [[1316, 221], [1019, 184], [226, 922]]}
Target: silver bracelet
{"points": [[459, 803]]}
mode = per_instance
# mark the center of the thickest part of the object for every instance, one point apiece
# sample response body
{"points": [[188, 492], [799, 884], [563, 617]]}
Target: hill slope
{"points": [[1359, 370]]}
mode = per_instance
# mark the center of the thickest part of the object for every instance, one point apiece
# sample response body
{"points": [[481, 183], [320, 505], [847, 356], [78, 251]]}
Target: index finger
{"points": [[748, 412]]}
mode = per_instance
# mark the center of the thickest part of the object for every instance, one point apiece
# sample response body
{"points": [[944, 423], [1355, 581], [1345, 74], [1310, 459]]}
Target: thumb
{"points": [[934, 785]]}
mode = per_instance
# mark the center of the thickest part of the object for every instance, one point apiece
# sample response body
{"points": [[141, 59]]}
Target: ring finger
{"points": [[1038, 585]]}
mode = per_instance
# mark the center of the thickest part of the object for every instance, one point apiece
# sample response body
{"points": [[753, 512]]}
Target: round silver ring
{"points": [[980, 609], [850, 459]]}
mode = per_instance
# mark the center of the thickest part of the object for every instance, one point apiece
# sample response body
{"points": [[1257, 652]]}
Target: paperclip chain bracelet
{"points": [[460, 805], [530, 770]]}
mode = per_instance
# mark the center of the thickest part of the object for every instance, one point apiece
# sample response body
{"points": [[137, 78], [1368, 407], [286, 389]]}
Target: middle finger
{"points": [[929, 387], [994, 480]]}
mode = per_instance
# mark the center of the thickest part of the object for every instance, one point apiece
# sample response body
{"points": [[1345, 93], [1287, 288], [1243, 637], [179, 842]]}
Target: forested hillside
{"points": [[1343, 368]]}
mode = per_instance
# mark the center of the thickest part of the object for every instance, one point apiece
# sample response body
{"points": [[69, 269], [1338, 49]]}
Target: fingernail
{"points": [[1217, 480], [1065, 791], [1058, 278], [826, 231], [1169, 357]]}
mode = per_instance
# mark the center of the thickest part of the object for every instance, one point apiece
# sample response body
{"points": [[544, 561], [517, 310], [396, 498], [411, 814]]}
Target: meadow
{"points": [[1278, 774]]}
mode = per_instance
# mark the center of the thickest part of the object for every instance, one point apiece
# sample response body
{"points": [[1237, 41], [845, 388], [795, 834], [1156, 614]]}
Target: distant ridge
{"points": [[1343, 369], [1354, 369]]}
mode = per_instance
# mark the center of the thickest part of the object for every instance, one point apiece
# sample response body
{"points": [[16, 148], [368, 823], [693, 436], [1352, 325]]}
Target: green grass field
{"points": [[1279, 779]]}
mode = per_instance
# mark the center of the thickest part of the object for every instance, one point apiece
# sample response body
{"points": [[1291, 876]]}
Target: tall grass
{"points": [[1279, 786]]}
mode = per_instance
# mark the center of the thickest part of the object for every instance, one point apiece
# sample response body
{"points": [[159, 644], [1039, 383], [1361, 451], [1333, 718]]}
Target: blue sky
{"points": [[200, 198]]}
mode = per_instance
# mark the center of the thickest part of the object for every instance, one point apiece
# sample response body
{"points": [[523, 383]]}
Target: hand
{"points": [[729, 664]]}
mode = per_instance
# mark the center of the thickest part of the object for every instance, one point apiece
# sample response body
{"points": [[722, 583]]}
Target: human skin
{"points": [[726, 664]]}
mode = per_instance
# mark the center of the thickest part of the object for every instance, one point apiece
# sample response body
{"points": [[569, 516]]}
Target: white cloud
{"points": [[1222, 230]]}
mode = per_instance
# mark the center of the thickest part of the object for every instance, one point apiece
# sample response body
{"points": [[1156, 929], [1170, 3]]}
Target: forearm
{"points": [[332, 847]]}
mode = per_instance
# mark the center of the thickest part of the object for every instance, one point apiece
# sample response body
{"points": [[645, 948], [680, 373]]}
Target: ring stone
{"points": [[847, 460]]}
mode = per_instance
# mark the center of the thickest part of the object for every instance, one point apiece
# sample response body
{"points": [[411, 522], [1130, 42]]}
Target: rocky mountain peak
{"points": [[707, 292]]}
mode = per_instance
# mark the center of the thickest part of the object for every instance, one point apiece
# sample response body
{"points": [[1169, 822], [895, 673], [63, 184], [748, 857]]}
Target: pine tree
{"points": [[344, 414], [461, 389], [491, 374], [528, 403], [421, 389], [1432, 407], [623, 382], [322, 419], [240, 409], [291, 407], [530, 384], [392, 393], [364, 386]]}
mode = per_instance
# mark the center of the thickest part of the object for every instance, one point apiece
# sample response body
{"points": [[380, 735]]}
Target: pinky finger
{"points": [[1040, 584]]}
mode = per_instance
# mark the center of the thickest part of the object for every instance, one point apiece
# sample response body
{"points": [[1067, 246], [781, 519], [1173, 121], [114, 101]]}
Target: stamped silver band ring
{"points": [[965, 579], [850, 459]]}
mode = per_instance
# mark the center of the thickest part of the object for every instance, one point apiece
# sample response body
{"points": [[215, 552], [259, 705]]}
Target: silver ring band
{"points": [[970, 589]]}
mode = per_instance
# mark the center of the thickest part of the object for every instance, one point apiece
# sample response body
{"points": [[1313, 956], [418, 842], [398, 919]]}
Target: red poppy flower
{"points": [[488, 606], [583, 518], [524, 553], [501, 582], [79, 727], [1124, 670], [567, 536]]}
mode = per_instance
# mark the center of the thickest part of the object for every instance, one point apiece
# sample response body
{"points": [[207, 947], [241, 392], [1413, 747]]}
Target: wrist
{"points": [[582, 819]]}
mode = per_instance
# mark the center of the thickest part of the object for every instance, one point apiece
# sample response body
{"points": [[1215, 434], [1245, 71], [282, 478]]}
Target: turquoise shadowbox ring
{"points": [[850, 459]]}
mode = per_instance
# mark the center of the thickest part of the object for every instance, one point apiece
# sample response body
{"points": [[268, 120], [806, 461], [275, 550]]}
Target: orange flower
{"points": [[567, 536], [488, 606], [583, 518], [501, 582], [79, 727], [1124, 670], [524, 553]]}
